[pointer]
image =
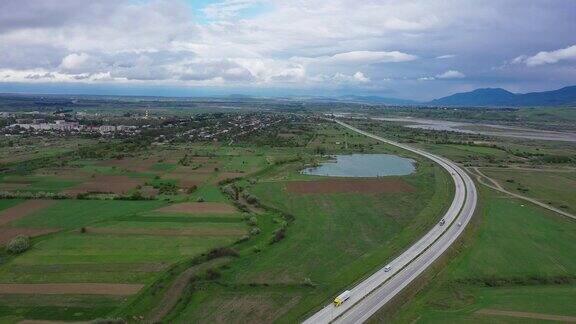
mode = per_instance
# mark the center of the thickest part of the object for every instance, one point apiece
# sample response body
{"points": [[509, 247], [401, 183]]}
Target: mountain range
{"points": [[500, 97], [486, 97]]}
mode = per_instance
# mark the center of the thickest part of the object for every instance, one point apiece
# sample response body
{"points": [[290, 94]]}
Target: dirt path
{"points": [[496, 186], [71, 288], [548, 317], [175, 291], [22, 210]]}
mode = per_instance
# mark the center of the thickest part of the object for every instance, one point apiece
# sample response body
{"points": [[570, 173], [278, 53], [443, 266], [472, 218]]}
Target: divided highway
{"points": [[375, 291]]}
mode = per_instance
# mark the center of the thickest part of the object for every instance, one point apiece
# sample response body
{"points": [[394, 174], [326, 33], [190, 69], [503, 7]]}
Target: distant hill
{"points": [[377, 99], [500, 97]]}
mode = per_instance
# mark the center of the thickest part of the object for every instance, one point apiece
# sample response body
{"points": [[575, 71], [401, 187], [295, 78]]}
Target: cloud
{"points": [[79, 62], [228, 8], [366, 57], [451, 74], [542, 58], [296, 44]]}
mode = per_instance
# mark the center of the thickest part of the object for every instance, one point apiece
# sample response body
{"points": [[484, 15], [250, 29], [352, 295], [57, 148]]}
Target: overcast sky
{"points": [[395, 48]]}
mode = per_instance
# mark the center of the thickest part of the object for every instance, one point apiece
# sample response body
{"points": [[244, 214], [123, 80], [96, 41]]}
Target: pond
{"points": [[363, 165]]}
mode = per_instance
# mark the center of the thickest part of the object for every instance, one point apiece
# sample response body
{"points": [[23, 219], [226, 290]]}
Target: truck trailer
{"points": [[342, 298]]}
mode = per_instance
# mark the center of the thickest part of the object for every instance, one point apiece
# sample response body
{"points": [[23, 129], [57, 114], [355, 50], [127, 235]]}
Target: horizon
{"points": [[391, 49]]}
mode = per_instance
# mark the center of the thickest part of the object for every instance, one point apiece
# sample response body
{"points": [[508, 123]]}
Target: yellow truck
{"points": [[342, 298]]}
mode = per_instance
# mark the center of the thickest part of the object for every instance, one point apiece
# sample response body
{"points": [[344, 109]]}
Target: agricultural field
{"points": [[105, 232], [327, 247], [168, 232]]}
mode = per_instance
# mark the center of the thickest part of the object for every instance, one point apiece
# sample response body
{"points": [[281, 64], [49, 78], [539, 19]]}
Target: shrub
{"points": [[18, 244], [191, 189], [256, 249], [250, 199], [221, 252], [200, 199], [278, 236], [252, 221], [83, 230], [244, 238], [255, 231], [212, 274]]}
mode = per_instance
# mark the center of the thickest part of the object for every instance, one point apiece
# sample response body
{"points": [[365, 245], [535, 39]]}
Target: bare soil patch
{"points": [[49, 322], [341, 186], [199, 208], [9, 186], [539, 316], [169, 232], [8, 233], [23, 209], [106, 184], [71, 288]]}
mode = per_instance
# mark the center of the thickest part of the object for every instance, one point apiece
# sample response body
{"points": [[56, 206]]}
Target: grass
{"points": [[7, 203], [75, 248], [56, 307], [521, 259], [552, 187], [69, 214]]}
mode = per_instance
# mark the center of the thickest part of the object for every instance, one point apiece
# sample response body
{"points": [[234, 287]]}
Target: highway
{"points": [[375, 291]]}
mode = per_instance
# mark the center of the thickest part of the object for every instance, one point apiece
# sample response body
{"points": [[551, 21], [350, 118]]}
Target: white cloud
{"points": [[451, 74], [228, 8], [81, 62], [294, 43], [366, 57], [568, 53]]}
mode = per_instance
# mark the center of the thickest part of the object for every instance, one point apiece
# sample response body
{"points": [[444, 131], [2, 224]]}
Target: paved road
{"points": [[374, 292]]}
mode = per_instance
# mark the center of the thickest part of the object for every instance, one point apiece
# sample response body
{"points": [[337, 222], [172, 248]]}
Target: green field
{"points": [[520, 258], [335, 240], [555, 187]]}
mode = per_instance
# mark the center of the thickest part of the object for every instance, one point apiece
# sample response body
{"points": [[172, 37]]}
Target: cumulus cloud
{"points": [[451, 74], [568, 53]]}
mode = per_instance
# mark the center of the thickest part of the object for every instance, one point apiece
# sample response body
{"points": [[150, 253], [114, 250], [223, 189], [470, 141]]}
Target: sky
{"points": [[420, 49]]}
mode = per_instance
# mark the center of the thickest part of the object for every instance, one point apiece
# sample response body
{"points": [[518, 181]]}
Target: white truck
{"points": [[342, 298]]}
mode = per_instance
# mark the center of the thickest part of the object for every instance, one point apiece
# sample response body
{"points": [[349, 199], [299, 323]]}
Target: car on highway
{"points": [[387, 268], [342, 298], [459, 223], [442, 222]]}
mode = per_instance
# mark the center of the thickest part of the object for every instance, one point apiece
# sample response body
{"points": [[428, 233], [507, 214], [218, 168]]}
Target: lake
{"points": [[363, 165]]}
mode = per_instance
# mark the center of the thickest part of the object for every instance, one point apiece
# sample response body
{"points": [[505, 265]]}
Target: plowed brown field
{"points": [[71, 288], [23, 209]]}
